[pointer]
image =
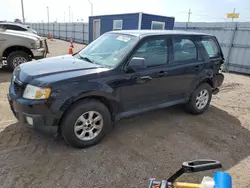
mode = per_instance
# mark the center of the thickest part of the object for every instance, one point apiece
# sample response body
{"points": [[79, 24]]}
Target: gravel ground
{"points": [[153, 144], [59, 47]]}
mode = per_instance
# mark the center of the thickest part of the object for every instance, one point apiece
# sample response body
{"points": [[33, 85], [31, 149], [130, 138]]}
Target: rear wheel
{"points": [[86, 123], [200, 99], [16, 58]]}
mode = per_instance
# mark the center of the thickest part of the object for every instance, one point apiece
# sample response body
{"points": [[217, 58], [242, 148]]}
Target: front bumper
{"points": [[39, 53], [42, 120]]}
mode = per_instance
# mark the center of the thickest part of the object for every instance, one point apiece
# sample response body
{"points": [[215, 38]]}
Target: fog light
{"points": [[29, 120]]}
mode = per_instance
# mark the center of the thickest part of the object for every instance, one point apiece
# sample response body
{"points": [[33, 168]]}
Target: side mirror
{"points": [[136, 63]]}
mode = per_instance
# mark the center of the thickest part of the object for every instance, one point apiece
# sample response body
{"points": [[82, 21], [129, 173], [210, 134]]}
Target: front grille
{"points": [[41, 44], [17, 88]]}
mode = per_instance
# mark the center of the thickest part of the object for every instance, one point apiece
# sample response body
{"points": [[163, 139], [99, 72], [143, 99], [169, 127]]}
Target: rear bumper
{"points": [[215, 91], [218, 80], [43, 122]]}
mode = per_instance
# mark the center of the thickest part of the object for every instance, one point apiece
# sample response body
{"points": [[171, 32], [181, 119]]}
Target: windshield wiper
{"points": [[86, 59], [89, 60]]}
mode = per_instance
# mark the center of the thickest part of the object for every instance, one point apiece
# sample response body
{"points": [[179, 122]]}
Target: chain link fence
{"points": [[78, 32]]}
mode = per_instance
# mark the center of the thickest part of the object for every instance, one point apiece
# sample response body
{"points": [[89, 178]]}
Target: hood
{"points": [[55, 69], [23, 34]]}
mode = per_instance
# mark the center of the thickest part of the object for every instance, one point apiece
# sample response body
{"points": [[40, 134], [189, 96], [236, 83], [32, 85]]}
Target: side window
{"points": [[11, 27], [7, 27], [154, 51], [15, 27], [2, 26], [211, 47], [21, 29], [184, 50]]}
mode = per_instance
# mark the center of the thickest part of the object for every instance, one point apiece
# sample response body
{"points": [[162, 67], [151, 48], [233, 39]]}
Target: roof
{"points": [[10, 23], [131, 13], [139, 33], [14, 23]]}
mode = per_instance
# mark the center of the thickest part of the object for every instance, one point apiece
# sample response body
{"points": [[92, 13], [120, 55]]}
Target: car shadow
{"points": [[153, 144], [172, 136]]}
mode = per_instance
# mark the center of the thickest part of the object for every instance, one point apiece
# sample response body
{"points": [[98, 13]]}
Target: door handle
{"points": [[196, 68], [144, 79], [162, 73]]}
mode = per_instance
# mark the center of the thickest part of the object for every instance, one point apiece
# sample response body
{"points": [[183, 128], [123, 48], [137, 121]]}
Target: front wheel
{"points": [[200, 99], [16, 58], [86, 123]]}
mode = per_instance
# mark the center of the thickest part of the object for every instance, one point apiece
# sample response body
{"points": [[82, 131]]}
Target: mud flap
{"points": [[46, 47]]}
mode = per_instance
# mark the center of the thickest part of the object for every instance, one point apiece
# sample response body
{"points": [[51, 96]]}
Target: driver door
{"points": [[143, 88]]}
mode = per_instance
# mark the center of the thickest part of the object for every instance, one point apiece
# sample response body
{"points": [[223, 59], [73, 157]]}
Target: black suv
{"points": [[121, 73]]}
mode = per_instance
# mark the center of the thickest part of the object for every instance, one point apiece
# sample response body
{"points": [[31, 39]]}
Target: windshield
{"points": [[108, 50]]}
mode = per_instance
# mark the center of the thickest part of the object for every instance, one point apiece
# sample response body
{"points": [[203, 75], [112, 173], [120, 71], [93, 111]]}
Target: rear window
{"points": [[211, 47]]}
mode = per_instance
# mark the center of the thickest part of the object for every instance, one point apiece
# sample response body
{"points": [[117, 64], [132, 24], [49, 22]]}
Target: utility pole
{"points": [[233, 16], [91, 4], [22, 11], [48, 13], [189, 14], [69, 13]]}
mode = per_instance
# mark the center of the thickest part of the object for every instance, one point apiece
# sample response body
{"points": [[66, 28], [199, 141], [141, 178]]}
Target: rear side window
{"points": [[184, 50], [211, 47]]}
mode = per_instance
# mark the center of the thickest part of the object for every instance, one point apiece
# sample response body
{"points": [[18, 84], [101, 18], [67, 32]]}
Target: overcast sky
{"points": [[202, 10]]}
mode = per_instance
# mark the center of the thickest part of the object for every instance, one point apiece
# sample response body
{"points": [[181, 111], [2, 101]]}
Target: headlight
{"points": [[36, 44], [34, 92]]}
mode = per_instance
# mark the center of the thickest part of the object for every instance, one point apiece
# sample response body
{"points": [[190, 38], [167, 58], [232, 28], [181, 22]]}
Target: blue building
{"points": [[101, 24]]}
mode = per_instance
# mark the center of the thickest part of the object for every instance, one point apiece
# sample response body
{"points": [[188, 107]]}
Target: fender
{"points": [[99, 91], [203, 76]]}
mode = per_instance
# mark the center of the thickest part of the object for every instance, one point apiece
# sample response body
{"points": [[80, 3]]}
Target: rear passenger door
{"points": [[213, 53], [184, 65]]}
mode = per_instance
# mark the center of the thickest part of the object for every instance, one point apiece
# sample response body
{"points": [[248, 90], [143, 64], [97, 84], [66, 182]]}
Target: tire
{"points": [[193, 106], [12, 59], [80, 113]]}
